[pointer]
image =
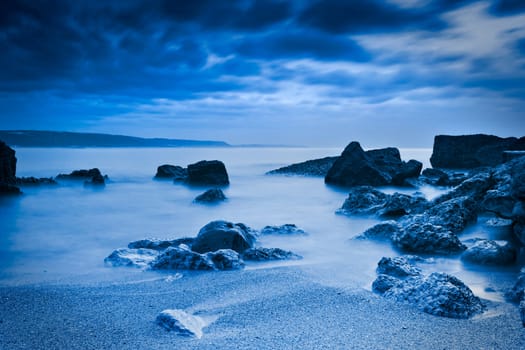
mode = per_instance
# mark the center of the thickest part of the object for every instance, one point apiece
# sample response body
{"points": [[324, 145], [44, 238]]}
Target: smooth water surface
{"points": [[62, 232]]}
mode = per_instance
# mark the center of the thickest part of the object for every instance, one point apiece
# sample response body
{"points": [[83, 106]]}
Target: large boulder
{"points": [[7, 170], [168, 171], [489, 252], [214, 195], [212, 172], [223, 235], [472, 151], [381, 167], [314, 167]]}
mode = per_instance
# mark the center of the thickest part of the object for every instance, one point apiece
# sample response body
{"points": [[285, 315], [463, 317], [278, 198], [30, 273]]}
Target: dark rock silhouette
{"points": [[157, 244], [286, 229], [488, 252], [223, 235], [175, 172], [8, 170], [314, 167], [214, 195], [183, 258], [208, 172], [34, 181], [91, 176], [381, 167], [472, 151]]}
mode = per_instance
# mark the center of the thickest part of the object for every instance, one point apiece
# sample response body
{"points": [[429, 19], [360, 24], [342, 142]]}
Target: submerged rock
{"points": [[472, 151], [168, 171], [212, 172], [181, 322], [314, 167], [131, 257], [223, 235], [488, 252], [267, 254], [157, 244], [214, 195], [286, 229]]}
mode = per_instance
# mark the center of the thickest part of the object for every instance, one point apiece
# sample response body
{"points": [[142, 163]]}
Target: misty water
{"points": [[63, 233]]}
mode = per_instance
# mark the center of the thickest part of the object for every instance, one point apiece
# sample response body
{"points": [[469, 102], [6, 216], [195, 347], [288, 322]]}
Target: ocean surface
{"points": [[63, 233]]}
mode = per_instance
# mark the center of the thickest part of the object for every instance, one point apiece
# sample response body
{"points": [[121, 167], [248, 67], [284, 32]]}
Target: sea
{"points": [[61, 234]]}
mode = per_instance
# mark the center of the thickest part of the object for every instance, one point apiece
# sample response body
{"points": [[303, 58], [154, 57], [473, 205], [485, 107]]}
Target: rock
{"points": [[397, 267], [286, 229], [438, 294], [96, 180], [267, 254], [33, 181], [226, 259], [167, 171], [157, 244], [92, 176], [315, 167], [399, 204], [472, 151], [181, 322], [223, 235], [517, 292], [213, 195], [454, 214], [7, 170], [131, 257], [383, 230], [211, 172], [488, 252], [381, 167], [517, 171], [511, 155], [475, 187], [418, 235], [439, 177], [518, 217], [498, 202], [182, 258], [363, 200]]}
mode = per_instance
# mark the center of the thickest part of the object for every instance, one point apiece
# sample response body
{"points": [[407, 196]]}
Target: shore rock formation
{"points": [[208, 172], [174, 172], [7, 170], [314, 167], [90, 177]]}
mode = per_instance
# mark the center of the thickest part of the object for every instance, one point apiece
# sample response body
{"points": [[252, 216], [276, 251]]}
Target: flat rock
{"points": [[489, 252], [223, 235], [181, 322], [363, 200], [131, 257], [34, 181]]}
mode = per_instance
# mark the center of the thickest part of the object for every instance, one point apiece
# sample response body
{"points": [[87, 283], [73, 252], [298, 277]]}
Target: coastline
{"points": [[265, 308]]}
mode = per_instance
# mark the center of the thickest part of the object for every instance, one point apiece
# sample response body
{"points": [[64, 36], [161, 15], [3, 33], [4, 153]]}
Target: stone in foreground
{"points": [[223, 235], [181, 322]]}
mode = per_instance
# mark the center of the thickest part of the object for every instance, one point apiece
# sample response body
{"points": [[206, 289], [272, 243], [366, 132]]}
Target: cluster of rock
{"points": [[219, 245], [438, 294], [203, 173], [90, 177]]}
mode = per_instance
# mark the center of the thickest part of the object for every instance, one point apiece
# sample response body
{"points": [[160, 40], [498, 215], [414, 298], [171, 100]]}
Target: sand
{"points": [[266, 308]]}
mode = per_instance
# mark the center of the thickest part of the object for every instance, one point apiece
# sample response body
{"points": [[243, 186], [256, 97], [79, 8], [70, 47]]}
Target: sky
{"points": [[311, 73]]}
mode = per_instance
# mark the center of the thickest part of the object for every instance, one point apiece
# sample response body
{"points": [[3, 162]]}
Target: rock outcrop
{"points": [[381, 167], [314, 167], [489, 252], [7, 170], [208, 172], [214, 195], [168, 171], [472, 151], [223, 235], [90, 177]]}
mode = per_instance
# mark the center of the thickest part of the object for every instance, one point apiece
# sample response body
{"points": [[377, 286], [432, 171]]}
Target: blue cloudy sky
{"points": [[321, 73]]}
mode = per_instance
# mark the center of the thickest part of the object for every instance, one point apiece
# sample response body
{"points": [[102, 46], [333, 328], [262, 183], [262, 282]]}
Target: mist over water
{"points": [[66, 231]]}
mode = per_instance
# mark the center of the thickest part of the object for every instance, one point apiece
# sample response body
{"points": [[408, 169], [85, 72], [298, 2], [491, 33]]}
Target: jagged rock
{"points": [[454, 214], [157, 244], [182, 258], [472, 151], [267, 254], [223, 235], [91, 176], [363, 200], [380, 167], [475, 187], [181, 322], [399, 204], [383, 230], [7, 170], [33, 181], [438, 294], [226, 259], [213, 195], [418, 235], [205, 172], [315, 167], [498, 202], [397, 267], [175, 172], [517, 292], [131, 257], [488, 252], [286, 229], [439, 177]]}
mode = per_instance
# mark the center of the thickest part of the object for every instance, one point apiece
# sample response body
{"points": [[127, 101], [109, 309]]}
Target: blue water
{"points": [[64, 232]]}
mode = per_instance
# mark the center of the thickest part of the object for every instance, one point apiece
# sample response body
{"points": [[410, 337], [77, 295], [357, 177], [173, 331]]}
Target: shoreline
{"points": [[267, 308]]}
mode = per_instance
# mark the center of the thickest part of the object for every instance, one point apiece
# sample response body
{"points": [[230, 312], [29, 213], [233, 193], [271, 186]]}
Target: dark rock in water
{"points": [[182, 258], [517, 292], [34, 181], [223, 235], [439, 177], [399, 204], [181, 322], [438, 294], [92, 176], [475, 187], [383, 230], [226, 259], [472, 151], [7, 170], [363, 200], [381, 167], [205, 172], [315, 167], [97, 180], [211, 196], [454, 214], [397, 267], [167, 171], [286, 229], [157, 244], [267, 254], [498, 202], [420, 235], [131, 257], [488, 252]]}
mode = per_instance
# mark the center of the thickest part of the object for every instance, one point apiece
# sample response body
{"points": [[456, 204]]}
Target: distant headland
{"points": [[37, 138]]}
